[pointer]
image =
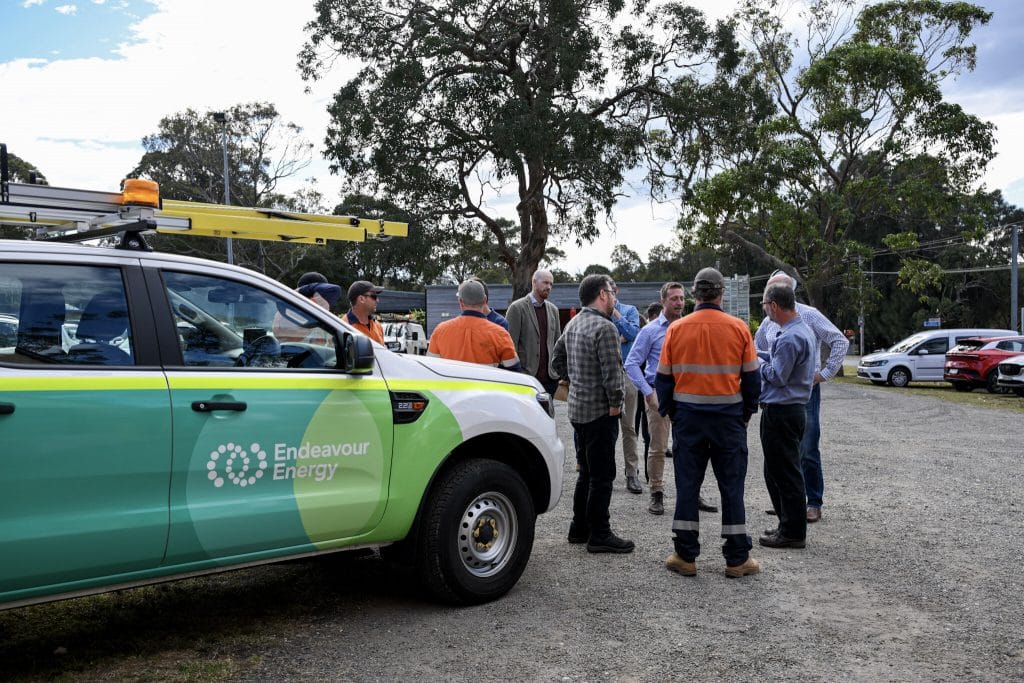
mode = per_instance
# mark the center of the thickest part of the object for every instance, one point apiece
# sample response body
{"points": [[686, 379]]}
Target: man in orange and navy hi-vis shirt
{"points": [[708, 383], [472, 337], [363, 295]]}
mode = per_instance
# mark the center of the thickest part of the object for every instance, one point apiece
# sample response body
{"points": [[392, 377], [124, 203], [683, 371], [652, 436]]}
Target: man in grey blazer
{"points": [[534, 325]]}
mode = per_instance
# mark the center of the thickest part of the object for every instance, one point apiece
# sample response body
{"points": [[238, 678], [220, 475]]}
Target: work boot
{"points": [[751, 566], [633, 484], [657, 506], [609, 544], [676, 564], [578, 534]]}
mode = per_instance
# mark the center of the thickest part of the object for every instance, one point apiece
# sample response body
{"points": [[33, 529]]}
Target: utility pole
{"points": [[222, 118], [860, 315], [1014, 251]]}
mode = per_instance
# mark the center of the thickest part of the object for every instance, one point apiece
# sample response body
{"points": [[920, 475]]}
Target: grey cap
{"points": [[361, 287], [471, 293], [709, 279]]}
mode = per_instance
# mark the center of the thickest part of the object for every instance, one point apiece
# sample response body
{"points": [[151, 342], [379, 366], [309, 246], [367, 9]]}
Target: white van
{"points": [[918, 358]]}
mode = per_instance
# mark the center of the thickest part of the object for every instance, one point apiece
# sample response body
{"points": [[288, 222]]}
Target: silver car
{"points": [[1011, 375]]}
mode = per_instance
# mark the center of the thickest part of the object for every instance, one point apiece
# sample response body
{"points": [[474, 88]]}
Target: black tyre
{"points": [[990, 383], [1019, 392], [899, 377], [963, 386], [476, 534]]}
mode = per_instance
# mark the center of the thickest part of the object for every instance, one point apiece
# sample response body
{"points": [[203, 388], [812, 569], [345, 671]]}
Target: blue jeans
{"points": [[699, 437], [810, 455], [595, 452]]}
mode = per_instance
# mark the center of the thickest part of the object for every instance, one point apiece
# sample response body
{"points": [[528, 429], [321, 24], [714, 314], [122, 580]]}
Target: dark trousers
{"points": [[782, 428], [596, 455], [697, 438]]}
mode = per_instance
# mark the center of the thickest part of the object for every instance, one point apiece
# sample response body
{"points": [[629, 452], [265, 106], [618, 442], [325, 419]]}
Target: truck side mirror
{"points": [[356, 354]]}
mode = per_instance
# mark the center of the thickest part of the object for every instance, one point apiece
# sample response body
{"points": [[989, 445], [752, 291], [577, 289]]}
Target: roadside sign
{"points": [[933, 322]]}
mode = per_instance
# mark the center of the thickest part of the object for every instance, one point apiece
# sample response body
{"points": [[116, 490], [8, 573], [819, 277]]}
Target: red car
{"points": [[975, 362]]}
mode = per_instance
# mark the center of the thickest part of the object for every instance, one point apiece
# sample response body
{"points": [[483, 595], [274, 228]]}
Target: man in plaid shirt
{"points": [[588, 353]]}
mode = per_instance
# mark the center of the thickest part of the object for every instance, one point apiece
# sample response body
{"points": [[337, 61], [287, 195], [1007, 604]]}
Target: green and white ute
{"points": [[155, 427]]}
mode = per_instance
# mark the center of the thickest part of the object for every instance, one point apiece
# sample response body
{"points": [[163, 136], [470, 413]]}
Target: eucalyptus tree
{"points": [[524, 109], [859, 128]]}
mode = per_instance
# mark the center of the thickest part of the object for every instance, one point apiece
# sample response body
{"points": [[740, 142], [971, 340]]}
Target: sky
{"points": [[86, 79]]}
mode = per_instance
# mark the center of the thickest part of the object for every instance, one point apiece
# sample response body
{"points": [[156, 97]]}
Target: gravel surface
{"points": [[914, 573]]}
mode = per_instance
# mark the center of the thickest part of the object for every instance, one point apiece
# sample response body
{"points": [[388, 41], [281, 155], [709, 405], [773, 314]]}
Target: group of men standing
{"points": [[701, 376]]}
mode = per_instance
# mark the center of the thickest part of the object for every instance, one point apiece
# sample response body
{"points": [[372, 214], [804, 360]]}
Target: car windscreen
{"points": [[908, 343]]}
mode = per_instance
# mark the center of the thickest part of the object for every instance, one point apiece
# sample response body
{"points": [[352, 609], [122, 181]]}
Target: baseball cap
{"points": [[709, 279], [361, 287], [471, 293], [311, 284], [311, 278]]}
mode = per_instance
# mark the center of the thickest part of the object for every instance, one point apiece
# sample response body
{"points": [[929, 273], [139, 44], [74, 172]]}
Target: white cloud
{"points": [[66, 9], [32, 3], [81, 120]]}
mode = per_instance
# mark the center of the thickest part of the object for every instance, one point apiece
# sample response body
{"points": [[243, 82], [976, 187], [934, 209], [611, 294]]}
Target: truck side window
{"points": [[226, 323], [53, 314]]}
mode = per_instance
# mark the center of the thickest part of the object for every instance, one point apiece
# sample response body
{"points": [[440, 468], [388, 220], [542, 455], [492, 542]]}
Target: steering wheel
{"points": [[263, 352]]}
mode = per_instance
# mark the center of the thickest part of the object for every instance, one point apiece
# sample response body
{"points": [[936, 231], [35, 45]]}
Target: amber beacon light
{"points": [[139, 192]]}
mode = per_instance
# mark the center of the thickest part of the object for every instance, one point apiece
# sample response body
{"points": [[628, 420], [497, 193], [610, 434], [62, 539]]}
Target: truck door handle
{"points": [[210, 406], [6, 408]]}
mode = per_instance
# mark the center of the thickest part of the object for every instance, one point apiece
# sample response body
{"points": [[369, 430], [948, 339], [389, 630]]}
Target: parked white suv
{"points": [[918, 358]]}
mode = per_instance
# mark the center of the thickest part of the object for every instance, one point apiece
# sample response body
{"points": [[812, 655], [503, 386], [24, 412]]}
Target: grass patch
{"points": [[943, 391]]}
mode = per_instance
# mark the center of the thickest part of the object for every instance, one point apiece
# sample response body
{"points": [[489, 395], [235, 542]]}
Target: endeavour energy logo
{"points": [[243, 466]]}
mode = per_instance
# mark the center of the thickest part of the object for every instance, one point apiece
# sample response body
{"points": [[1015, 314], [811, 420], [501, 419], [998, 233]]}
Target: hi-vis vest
{"points": [[705, 353]]}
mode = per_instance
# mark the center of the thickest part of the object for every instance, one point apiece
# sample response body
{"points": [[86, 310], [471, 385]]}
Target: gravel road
{"points": [[914, 573]]}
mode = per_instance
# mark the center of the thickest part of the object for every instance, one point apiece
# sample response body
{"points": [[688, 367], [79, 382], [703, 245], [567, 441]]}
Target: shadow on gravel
{"points": [[206, 628]]}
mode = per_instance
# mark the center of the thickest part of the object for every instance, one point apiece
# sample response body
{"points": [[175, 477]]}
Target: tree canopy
{"points": [[186, 157], [859, 138], [529, 109]]}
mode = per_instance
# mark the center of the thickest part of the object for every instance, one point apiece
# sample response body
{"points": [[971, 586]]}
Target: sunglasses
{"points": [[373, 295]]}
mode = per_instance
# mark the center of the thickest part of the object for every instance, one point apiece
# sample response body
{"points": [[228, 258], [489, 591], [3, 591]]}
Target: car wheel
{"points": [[1019, 392], [963, 386], [477, 533], [899, 377], [990, 383]]}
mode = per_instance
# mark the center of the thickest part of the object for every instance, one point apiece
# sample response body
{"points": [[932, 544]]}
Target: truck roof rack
{"points": [[66, 214]]}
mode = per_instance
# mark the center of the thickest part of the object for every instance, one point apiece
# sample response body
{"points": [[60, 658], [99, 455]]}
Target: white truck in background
{"points": [[405, 336]]}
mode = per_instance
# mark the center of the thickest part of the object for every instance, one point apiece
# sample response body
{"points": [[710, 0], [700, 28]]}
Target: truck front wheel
{"points": [[477, 533]]}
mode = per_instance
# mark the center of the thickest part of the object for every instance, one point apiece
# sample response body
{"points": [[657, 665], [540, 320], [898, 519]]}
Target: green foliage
{"points": [[856, 145], [460, 103], [186, 158]]}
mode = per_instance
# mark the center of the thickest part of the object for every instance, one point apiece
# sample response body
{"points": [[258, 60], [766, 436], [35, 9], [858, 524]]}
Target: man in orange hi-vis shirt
{"points": [[708, 383], [472, 337]]}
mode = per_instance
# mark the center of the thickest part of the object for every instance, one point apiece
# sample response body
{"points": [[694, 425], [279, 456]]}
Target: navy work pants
{"points": [[699, 437]]}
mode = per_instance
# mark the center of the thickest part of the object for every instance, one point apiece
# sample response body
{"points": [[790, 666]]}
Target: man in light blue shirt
{"points": [[627, 322], [787, 377], [828, 335]]}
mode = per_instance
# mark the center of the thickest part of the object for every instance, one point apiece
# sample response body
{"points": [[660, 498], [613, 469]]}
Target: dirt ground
{"points": [[914, 573]]}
